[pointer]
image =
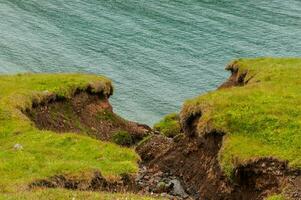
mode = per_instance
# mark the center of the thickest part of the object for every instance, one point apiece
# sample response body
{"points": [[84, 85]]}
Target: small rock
{"points": [[18, 147], [178, 189]]}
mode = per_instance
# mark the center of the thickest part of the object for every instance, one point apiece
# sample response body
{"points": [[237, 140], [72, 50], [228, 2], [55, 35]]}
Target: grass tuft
{"points": [[169, 125], [122, 138]]}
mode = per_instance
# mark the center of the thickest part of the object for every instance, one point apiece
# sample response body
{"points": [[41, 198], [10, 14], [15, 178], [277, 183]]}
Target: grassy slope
{"points": [[262, 118], [61, 194], [45, 153]]}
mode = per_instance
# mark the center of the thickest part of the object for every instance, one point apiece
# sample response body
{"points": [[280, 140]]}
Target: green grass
{"points": [[122, 138], [276, 197], [61, 194], [45, 153], [169, 125], [260, 119]]}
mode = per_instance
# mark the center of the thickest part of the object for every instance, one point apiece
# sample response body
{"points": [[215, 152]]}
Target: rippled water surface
{"points": [[158, 52]]}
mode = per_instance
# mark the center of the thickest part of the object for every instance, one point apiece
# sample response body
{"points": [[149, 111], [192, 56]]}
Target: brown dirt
{"points": [[153, 147], [194, 161], [93, 181], [293, 189], [264, 176], [237, 78], [85, 112]]}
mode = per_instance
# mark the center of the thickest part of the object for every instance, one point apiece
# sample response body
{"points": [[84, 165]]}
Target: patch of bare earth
{"points": [[85, 112], [193, 161], [92, 181], [237, 78]]}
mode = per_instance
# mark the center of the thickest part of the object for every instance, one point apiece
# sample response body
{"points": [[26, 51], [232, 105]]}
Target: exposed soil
{"points": [[153, 147], [293, 189], [193, 161], [264, 176], [84, 113], [93, 181], [237, 78]]}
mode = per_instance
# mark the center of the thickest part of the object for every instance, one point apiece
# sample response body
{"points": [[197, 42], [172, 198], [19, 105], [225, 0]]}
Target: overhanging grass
{"points": [[45, 153], [260, 119]]}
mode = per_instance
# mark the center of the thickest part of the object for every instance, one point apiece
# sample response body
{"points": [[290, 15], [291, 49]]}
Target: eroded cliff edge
{"points": [[57, 135], [241, 141]]}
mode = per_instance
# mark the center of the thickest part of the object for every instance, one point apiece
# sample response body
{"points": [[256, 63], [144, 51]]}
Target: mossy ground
{"points": [[260, 119], [45, 153]]}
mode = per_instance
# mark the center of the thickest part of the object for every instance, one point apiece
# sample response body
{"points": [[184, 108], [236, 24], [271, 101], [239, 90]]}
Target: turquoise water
{"points": [[158, 52]]}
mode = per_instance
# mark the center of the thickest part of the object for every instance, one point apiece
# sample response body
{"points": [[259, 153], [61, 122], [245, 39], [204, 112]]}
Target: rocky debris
{"points": [[151, 181]]}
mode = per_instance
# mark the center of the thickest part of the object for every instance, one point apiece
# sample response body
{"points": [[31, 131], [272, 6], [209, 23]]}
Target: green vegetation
{"points": [[61, 194], [276, 197], [123, 138], [169, 125], [260, 119], [27, 154]]}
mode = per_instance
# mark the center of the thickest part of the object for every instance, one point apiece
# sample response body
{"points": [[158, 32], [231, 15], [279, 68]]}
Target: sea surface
{"points": [[158, 52]]}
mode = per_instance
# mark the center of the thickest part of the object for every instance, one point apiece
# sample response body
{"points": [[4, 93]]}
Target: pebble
{"points": [[18, 147]]}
